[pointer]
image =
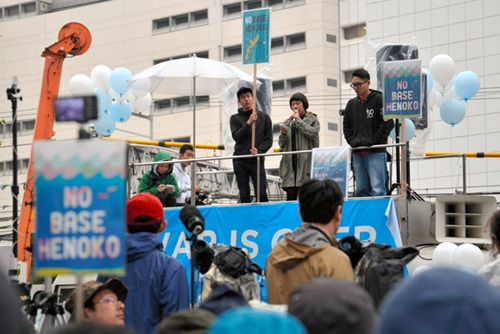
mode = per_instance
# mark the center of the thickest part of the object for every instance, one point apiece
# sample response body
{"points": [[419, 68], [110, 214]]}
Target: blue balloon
{"points": [[467, 84], [103, 101], [104, 125], [119, 80], [430, 81], [121, 111], [452, 111], [409, 130]]}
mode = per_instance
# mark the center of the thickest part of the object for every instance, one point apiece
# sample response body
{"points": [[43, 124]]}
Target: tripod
{"points": [[52, 313]]}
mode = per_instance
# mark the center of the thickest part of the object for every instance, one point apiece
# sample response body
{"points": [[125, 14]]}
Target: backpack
{"points": [[378, 267], [232, 266]]}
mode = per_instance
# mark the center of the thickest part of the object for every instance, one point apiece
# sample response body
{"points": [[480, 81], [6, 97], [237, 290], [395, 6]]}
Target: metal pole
{"points": [[193, 165], [11, 95]]}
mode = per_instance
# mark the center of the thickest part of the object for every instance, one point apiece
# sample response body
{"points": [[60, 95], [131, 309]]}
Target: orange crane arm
{"points": [[74, 39]]}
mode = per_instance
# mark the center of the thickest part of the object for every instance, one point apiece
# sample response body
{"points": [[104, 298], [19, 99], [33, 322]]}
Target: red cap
{"points": [[144, 204]]}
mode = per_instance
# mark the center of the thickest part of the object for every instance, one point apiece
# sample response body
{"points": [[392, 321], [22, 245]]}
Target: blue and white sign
{"points": [[332, 162], [402, 88], [80, 207], [256, 37], [258, 228]]}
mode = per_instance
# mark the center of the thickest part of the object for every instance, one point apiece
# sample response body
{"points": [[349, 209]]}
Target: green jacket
{"points": [[307, 137], [151, 179]]}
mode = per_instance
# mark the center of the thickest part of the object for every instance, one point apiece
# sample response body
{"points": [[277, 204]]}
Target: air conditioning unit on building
{"points": [[43, 6]]}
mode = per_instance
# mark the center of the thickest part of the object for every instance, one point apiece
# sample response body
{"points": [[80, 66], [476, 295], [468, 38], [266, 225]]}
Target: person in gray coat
{"points": [[299, 132]]}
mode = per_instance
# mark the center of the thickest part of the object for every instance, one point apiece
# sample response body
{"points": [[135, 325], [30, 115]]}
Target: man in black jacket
{"points": [[241, 130], [364, 125]]}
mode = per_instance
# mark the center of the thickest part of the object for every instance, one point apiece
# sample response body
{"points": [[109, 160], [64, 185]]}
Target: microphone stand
{"points": [[193, 238]]}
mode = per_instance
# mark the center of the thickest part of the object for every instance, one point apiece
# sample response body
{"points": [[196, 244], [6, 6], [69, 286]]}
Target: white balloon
{"points": [[468, 256], [442, 68], [81, 84], [100, 77], [443, 254], [141, 103], [433, 97], [141, 87]]}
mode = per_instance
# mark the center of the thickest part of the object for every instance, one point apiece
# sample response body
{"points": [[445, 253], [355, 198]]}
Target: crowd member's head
{"points": [[145, 214], [247, 320], [165, 166], [360, 82], [441, 301], [320, 201], [103, 303], [188, 321], [300, 98], [186, 152], [494, 229], [222, 299], [332, 305], [245, 98]]}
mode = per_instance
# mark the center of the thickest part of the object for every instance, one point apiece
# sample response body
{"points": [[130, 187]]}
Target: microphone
{"points": [[192, 219]]}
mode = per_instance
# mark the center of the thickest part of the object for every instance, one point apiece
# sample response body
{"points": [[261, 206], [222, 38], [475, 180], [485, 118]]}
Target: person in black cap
{"points": [[299, 132], [103, 303], [241, 130]]}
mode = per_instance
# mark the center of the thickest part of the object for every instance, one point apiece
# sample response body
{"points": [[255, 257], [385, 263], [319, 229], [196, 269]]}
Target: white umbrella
{"points": [[193, 76]]}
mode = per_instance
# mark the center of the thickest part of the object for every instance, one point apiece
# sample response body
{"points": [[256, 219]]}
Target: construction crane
{"points": [[74, 39]]}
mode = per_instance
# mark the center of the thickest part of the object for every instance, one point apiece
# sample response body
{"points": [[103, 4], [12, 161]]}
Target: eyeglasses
{"points": [[357, 84], [111, 301]]}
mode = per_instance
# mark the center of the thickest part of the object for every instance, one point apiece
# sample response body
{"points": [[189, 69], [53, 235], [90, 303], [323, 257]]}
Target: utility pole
{"points": [[13, 97]]}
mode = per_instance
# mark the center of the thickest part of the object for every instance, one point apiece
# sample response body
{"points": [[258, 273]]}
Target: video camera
{"points": [[79, 109]]}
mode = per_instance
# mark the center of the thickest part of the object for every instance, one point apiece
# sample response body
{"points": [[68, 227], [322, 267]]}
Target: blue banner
{"points": [[256, 37], [259, 227], [80, 207], [402, 89]]}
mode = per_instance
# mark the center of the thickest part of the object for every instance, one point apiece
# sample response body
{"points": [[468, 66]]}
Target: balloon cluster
{"points": [[447, 254], [454, 91], [116, 100]]}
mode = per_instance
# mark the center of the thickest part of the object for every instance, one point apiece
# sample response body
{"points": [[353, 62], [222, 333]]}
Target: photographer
{"points": [[160, 181], [184, 180]]}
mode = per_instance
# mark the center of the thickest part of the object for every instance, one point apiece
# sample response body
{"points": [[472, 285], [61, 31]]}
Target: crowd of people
{"points": [[310, 281]]}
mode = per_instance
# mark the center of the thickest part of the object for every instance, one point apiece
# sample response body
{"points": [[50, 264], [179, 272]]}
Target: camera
{"points": [[79, 109]]}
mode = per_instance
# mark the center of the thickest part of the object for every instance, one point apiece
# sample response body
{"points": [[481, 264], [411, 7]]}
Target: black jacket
{"points": [[364, 124], [242, 132]]}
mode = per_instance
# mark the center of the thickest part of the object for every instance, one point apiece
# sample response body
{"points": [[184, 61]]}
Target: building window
{"points": [[331, 82], [232, 11], [200, 54], [7, 167], [24, 127], [333, 126], [331, 38], [232, 53], [161, 25], [279, 88], [275, 4], [252, 4], [295, 85], [163, 106], [180, 104], [348, 75], [277, 45], [199, 18], [11, 12], [296, 42], [28, 9], [355, 31], [180, 22]]}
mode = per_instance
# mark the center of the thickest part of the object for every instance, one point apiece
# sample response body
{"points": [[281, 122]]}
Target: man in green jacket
{"points": [[160, 181], [299, 132]]}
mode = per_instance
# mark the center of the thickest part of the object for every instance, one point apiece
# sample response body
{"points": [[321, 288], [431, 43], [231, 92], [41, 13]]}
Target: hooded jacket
{"points": [[183, 181], [306, 138], [242, 132], [151, 179], [157, 283], [364, 123], [306, 253]]}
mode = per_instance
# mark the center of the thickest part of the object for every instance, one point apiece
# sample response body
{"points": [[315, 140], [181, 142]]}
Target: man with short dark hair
{"points": [[182, 176], [311, 250], [157, 282], [364, 125], [241, 130], [103, 303]]}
